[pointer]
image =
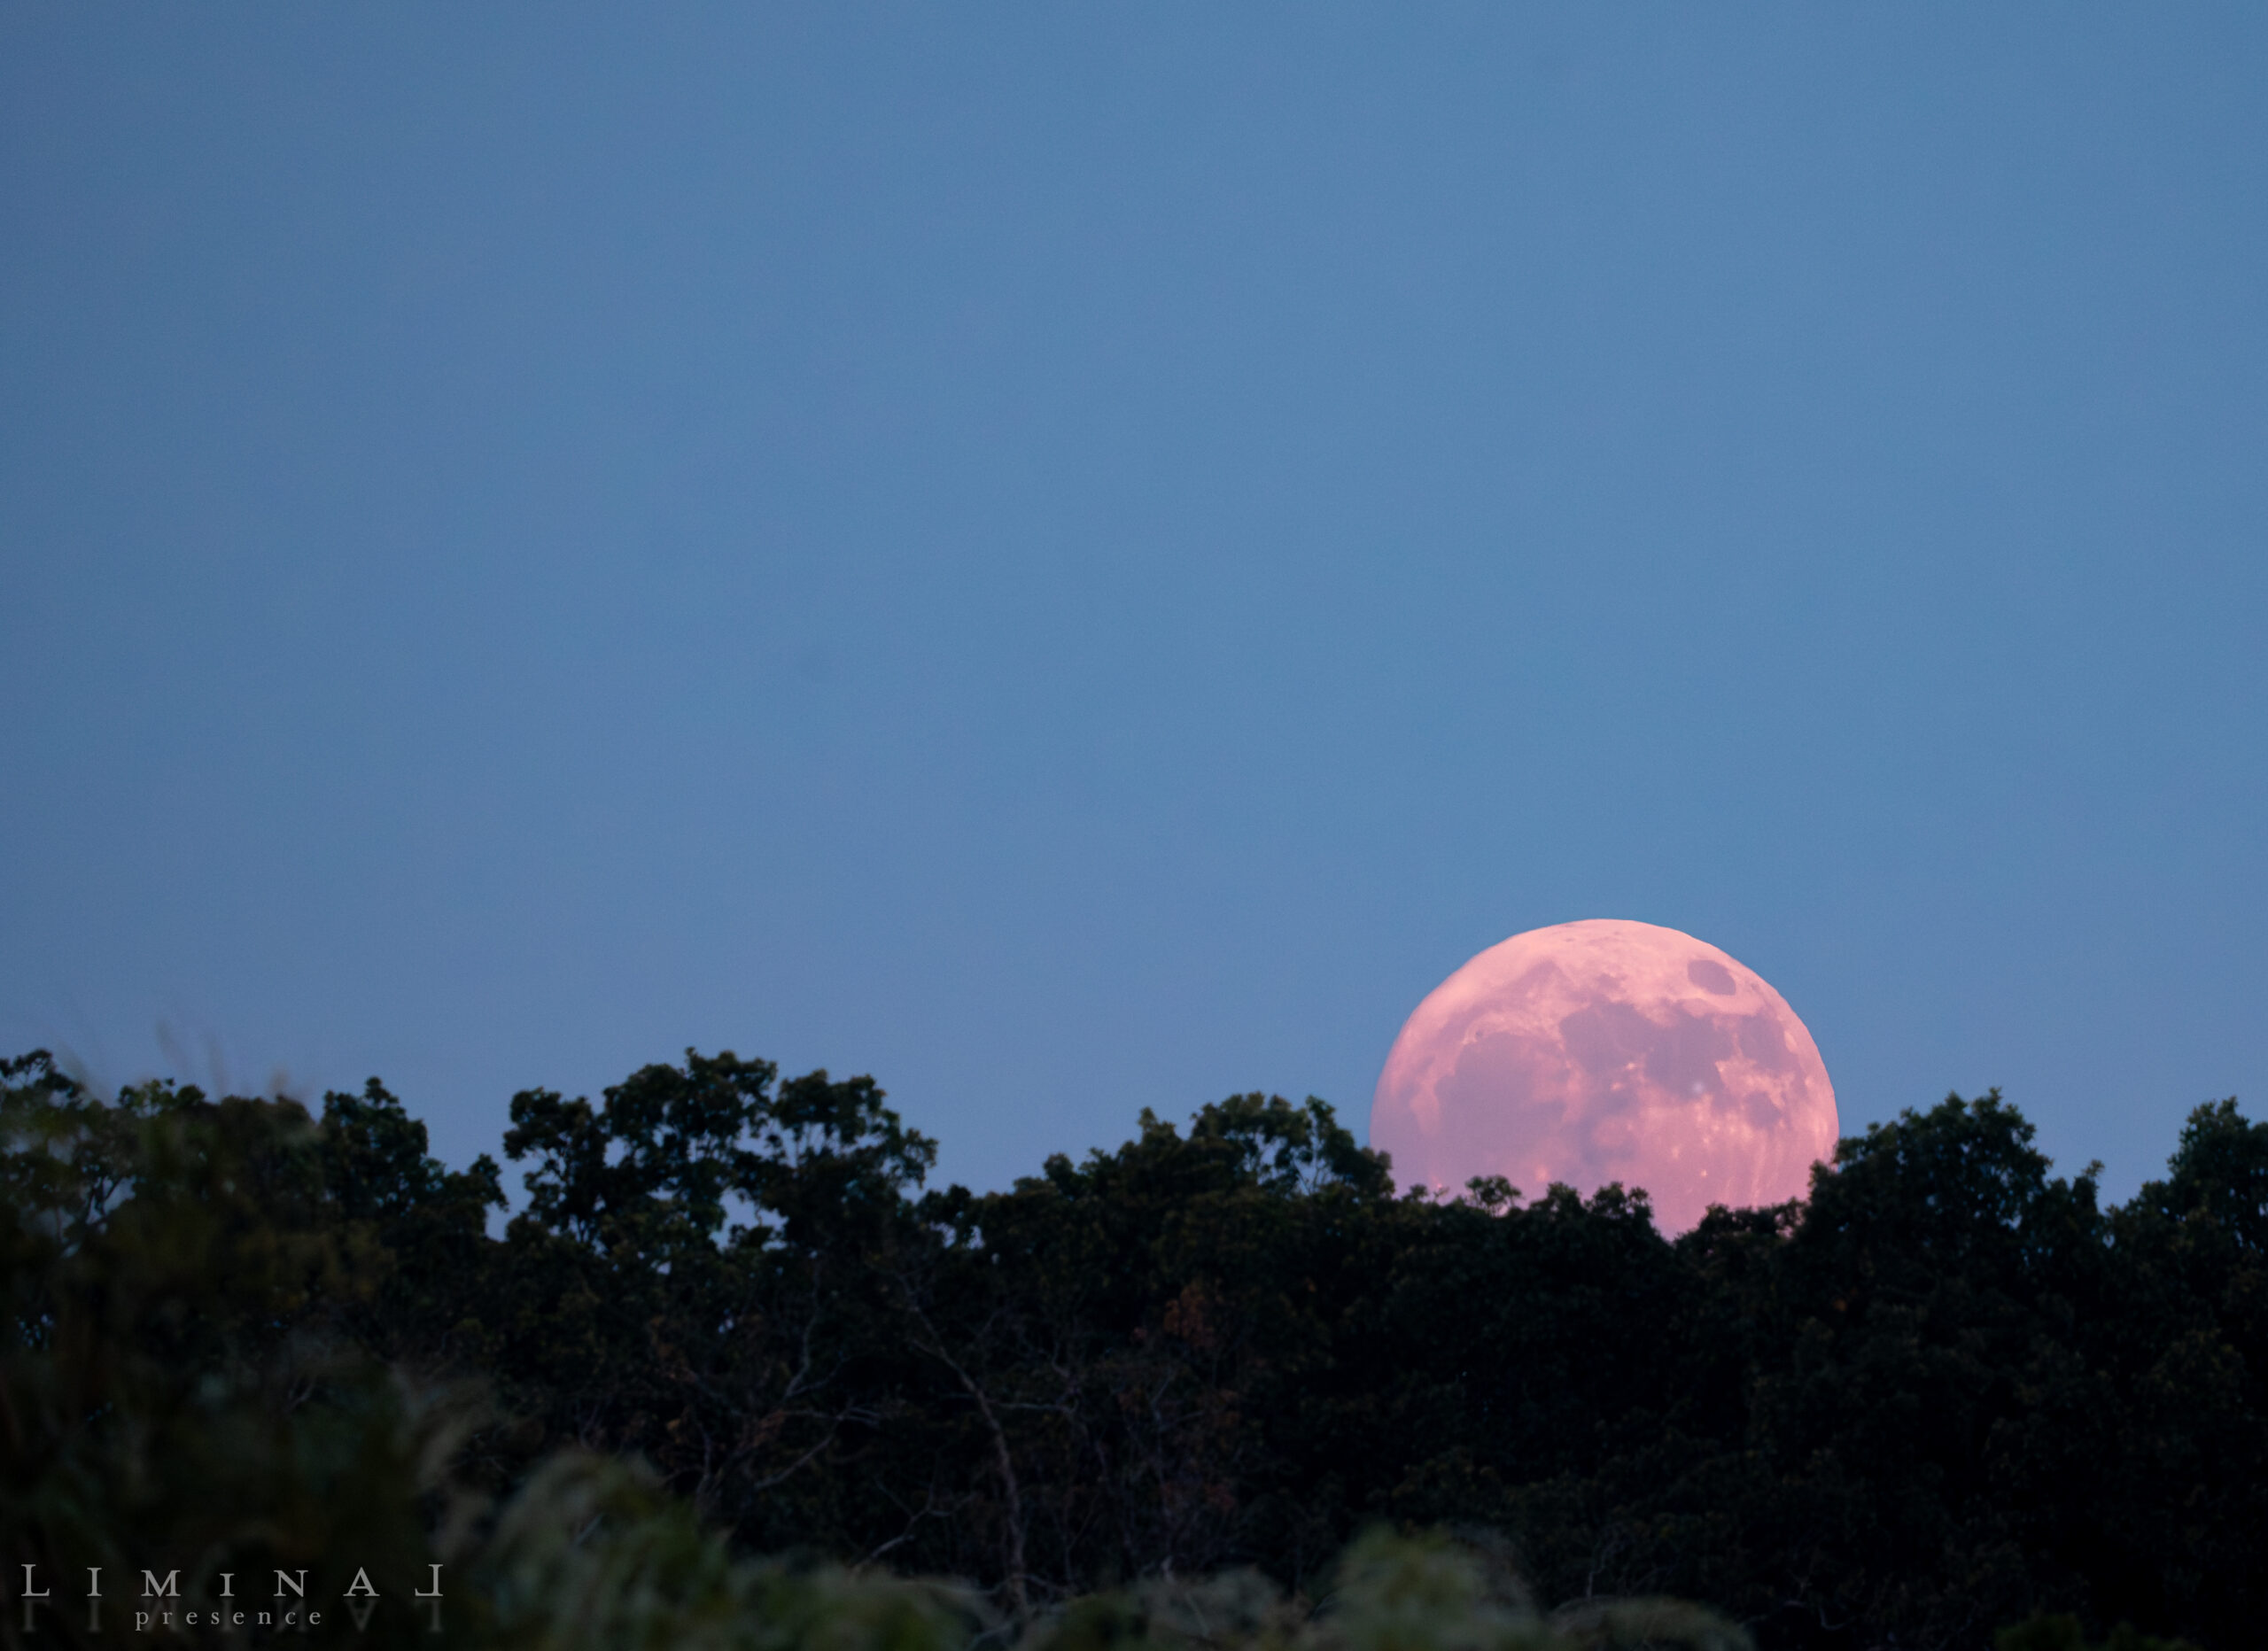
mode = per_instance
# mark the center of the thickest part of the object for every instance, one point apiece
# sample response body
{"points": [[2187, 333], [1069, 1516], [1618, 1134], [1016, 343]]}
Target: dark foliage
{"points": [[1948, 1393]]}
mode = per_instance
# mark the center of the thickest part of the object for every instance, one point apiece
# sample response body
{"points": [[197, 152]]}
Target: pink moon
{"points": [[1602, 1051]]}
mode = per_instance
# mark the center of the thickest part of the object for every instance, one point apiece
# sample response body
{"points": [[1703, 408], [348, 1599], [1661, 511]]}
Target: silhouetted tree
{"points": [[1947, 1392]]}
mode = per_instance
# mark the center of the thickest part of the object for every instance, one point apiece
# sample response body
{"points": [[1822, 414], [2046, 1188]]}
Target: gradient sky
{"points": [[1079, 558]]}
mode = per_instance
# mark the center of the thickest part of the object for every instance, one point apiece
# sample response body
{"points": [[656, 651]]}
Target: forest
{"points": [[733, 1360]]}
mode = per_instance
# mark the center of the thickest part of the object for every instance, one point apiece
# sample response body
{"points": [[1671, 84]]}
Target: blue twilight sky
{"points": [[1079, 558]]}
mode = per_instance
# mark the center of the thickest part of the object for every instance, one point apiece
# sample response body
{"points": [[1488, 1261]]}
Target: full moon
{"points": [[1602, 1051]]}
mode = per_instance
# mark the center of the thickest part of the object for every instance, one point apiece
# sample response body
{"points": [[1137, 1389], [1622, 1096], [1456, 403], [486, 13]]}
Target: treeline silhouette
{"points": [[1949, 1392]]}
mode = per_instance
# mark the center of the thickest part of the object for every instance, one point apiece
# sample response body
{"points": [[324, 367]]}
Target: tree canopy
{"points": [[1948, 1393]]}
